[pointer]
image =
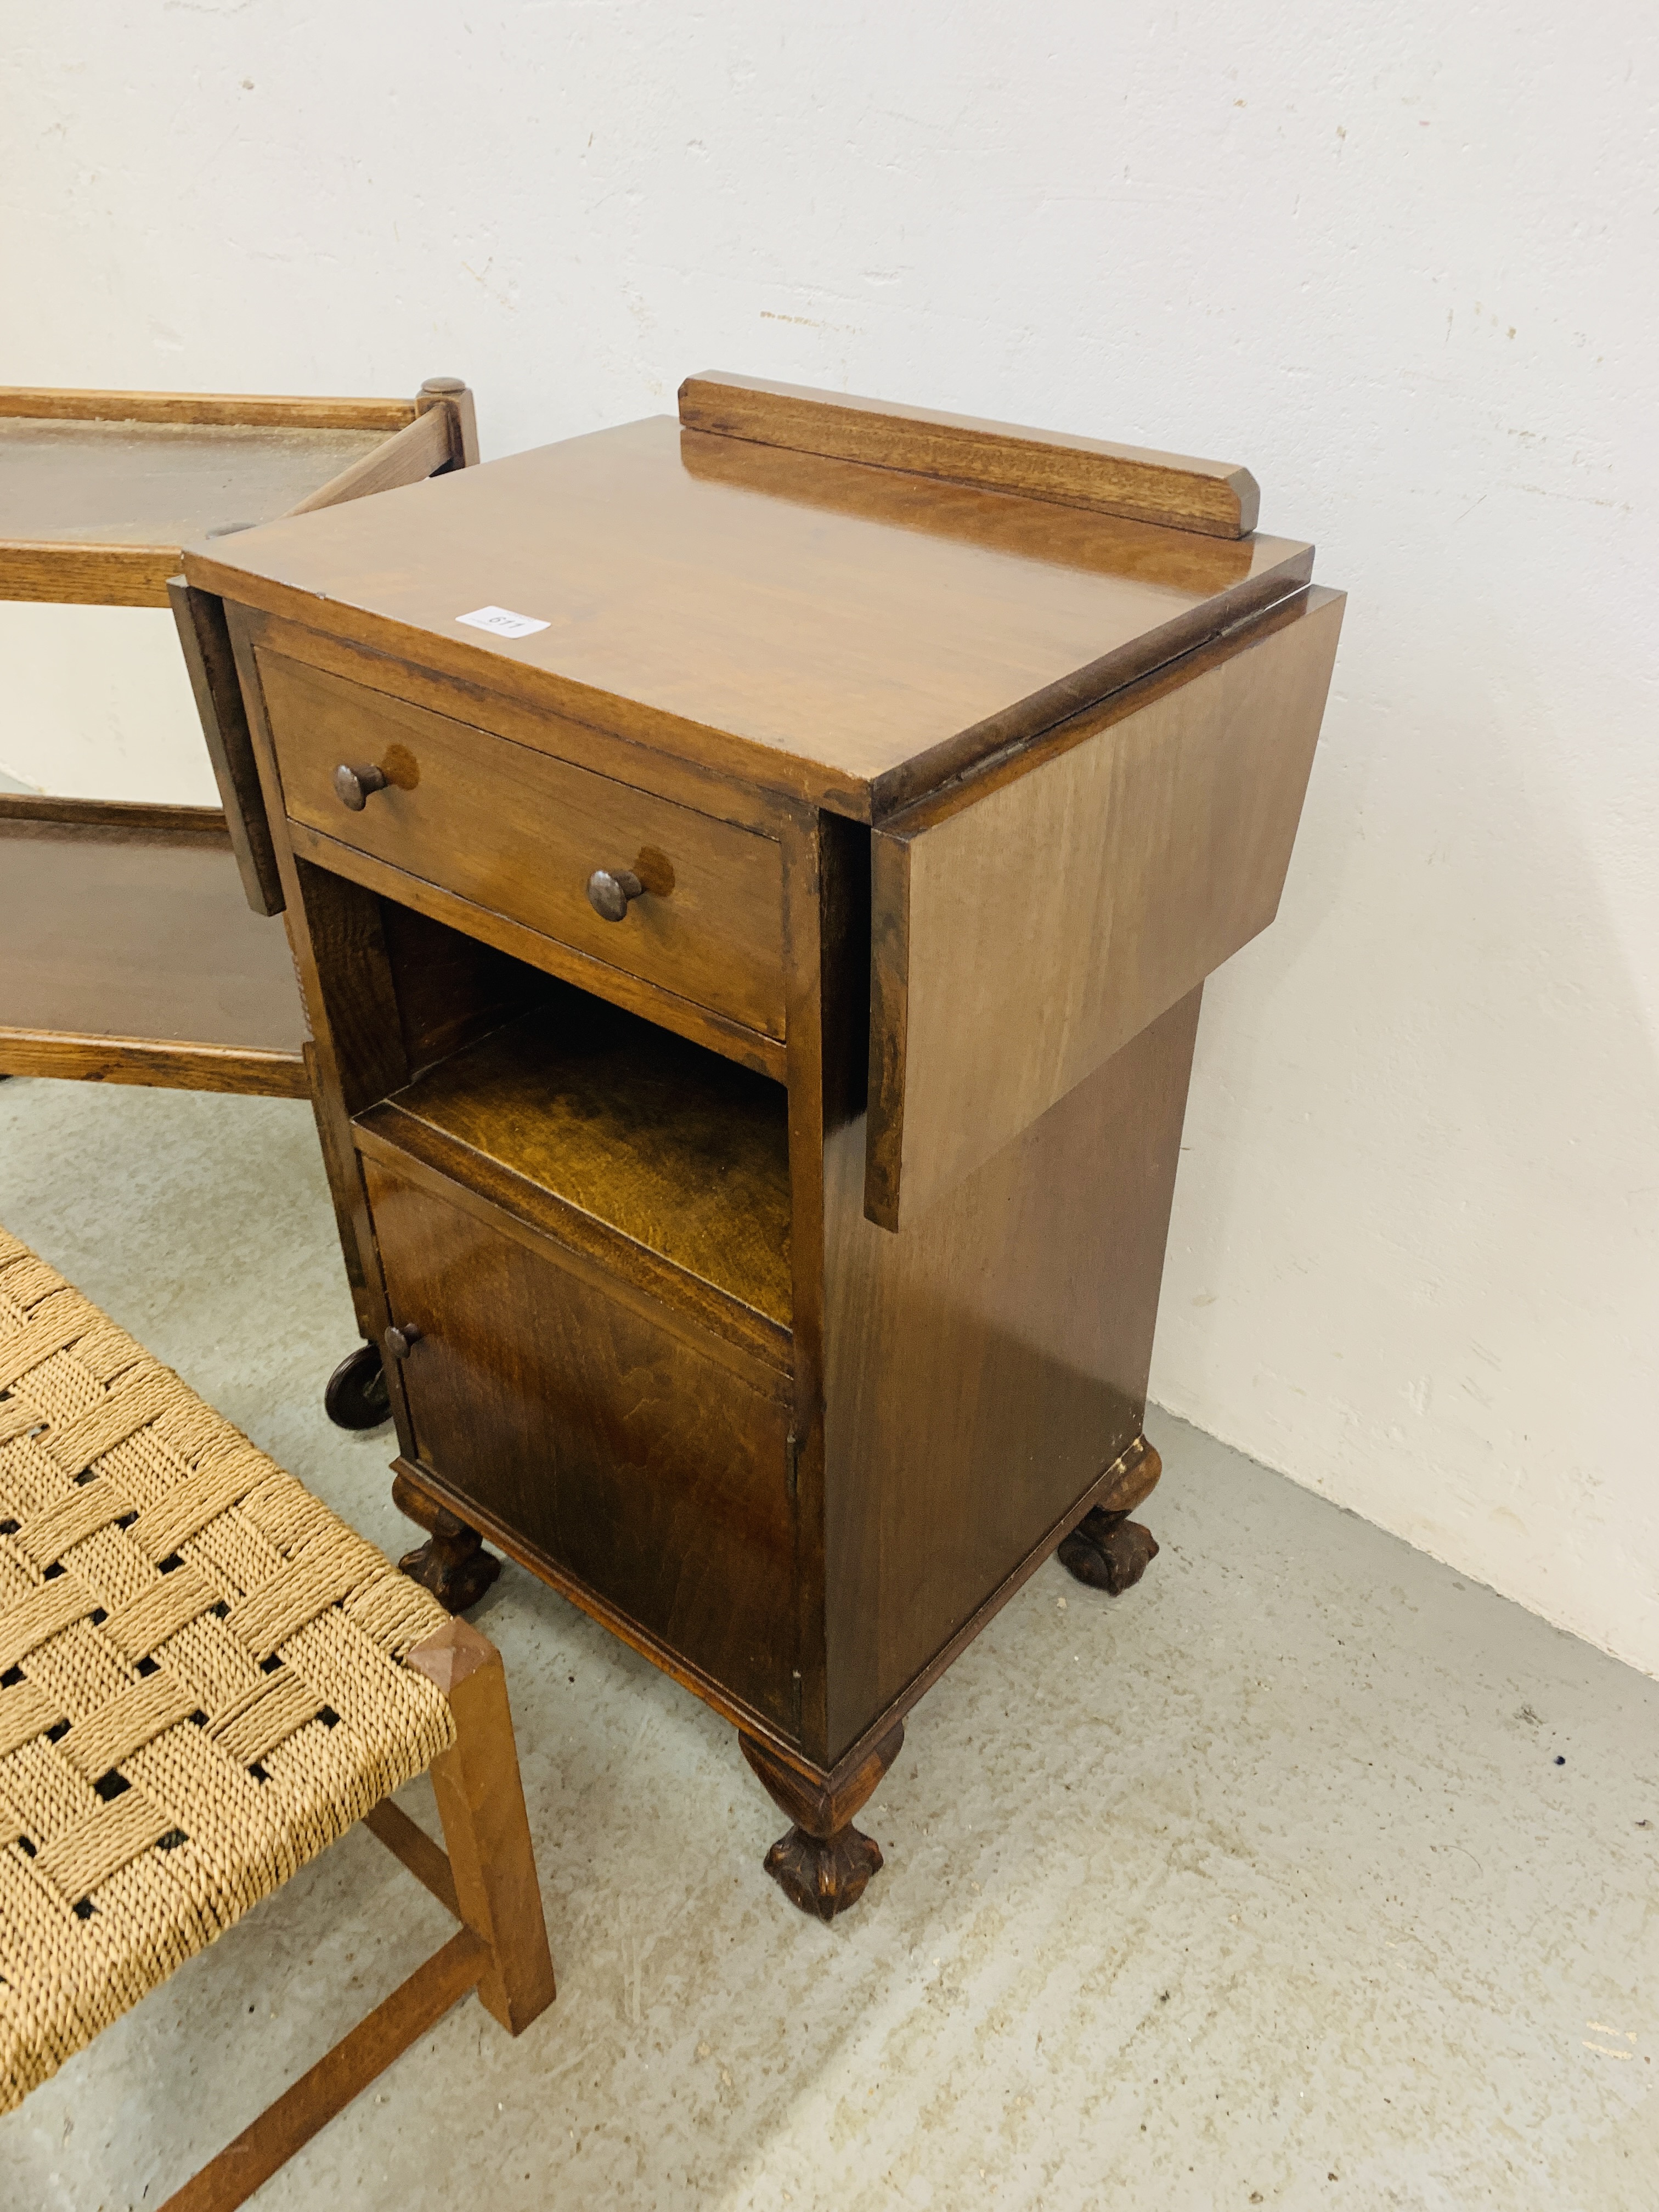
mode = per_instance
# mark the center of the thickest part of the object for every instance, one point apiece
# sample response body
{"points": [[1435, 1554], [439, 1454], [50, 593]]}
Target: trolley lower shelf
{"points": [[128, 954]]}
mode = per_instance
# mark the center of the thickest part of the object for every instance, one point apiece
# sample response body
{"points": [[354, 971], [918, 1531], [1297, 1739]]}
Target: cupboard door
{"points": [[617, 1451], [1026, 925]]}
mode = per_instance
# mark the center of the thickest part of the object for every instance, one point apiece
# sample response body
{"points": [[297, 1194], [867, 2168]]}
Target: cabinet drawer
{"points": [[518, 832], [629, 1459]]}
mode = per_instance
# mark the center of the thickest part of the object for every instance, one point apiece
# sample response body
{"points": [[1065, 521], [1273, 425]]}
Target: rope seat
{"points": [[201, 1676]]}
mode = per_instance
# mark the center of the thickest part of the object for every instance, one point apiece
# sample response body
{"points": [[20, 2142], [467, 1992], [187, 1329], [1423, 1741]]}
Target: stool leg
{"points": [[481, 1802]]}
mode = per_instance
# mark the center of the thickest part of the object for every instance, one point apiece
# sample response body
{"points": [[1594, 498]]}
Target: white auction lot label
{"points": [[500, 623]]}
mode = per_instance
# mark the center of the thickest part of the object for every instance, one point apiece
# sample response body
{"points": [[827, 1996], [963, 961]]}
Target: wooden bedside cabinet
{"points": [[753, 968]]}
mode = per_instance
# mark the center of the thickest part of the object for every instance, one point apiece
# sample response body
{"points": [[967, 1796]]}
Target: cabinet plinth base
{"points": [[824, 1864], [452, 1562]]}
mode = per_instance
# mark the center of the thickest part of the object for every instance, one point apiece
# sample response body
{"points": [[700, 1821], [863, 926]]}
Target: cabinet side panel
{"points": [[1047, 919], [988, 1363]]}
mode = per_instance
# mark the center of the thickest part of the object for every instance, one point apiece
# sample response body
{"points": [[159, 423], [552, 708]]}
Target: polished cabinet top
{"points": [[847, 634]]}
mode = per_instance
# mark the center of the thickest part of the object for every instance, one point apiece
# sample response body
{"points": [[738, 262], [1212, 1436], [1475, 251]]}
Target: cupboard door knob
{"points": [[610, 889], [353, 786], [402, 1338]]}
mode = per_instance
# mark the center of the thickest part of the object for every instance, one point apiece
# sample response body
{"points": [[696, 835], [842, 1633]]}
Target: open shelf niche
{"points": [[620, 1140]]}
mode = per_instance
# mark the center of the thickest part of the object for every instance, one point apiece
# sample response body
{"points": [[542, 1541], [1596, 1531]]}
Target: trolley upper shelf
{"points": [[99, 489]]}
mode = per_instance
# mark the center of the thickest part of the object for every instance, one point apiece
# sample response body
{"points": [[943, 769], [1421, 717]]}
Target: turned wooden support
{"points": [[1107, 1549], [451, 393], [452, 1562], [824, 1863]]}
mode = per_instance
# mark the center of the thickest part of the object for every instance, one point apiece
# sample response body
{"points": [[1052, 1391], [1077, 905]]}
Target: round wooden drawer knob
{"points": [[610, 889], [353, 786], [401, 1338]]}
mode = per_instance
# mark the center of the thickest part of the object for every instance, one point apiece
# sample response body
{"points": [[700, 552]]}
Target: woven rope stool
{"points": [[205, 1677]]}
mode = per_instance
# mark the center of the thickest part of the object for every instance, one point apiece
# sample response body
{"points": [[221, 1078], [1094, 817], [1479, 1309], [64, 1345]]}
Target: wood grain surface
{"points": [[356, 1053], [736, 1040], [410, 456], [451, 393], [664, 1144], [59, 573], [246, 410], [204, 640], [139, 820], [452, 989], [247, 1070], [1219, 498], [414, 2007], [843, 634], [480, 1796], [96, 511], [441, 1495], [416, 1849], [128, 940], [661, 1353], [518, 832], [716, 1326], [985, 1366], [655, 1478], [1059, 905], [466, 699]]}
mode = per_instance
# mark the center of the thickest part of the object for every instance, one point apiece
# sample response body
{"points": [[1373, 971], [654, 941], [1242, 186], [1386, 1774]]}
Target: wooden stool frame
{"points": [[487, 1879]]}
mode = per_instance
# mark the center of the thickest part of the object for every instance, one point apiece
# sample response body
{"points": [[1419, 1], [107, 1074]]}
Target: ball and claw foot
{"points": [[452, 1562], [824, 1875], [824, 1863], [356, 1396], [1108, 1551], [458, 1573]]}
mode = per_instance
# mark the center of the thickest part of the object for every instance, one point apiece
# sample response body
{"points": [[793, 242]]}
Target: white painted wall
{"points": [[1399, 259], [95, 703]]}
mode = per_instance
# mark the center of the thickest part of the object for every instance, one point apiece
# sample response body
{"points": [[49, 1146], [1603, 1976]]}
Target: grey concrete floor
{"points": [[1308, 1873]]}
